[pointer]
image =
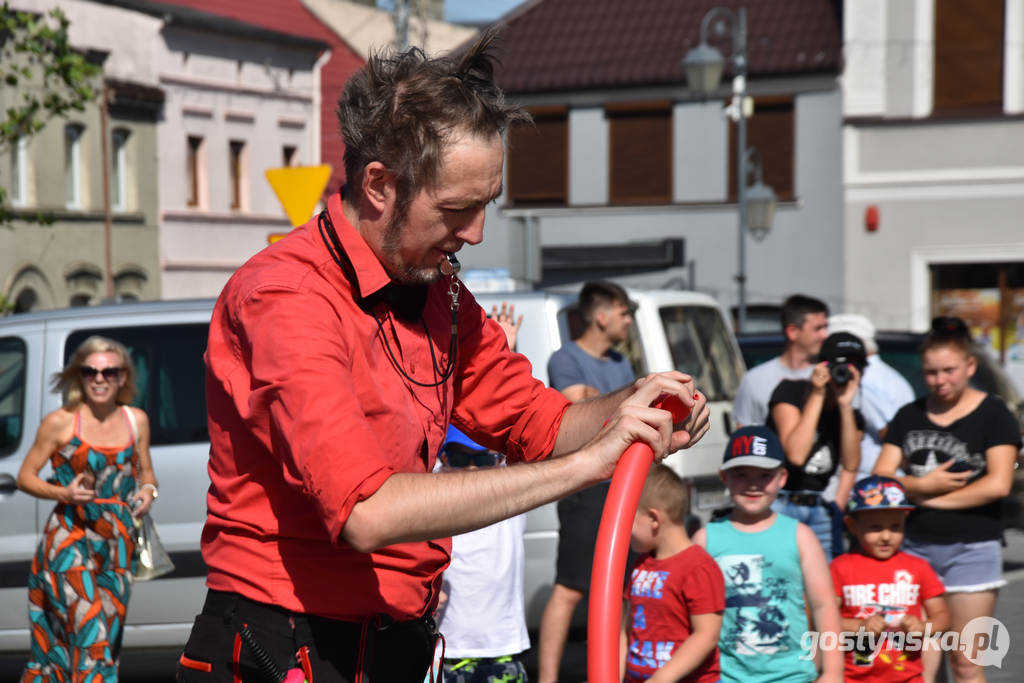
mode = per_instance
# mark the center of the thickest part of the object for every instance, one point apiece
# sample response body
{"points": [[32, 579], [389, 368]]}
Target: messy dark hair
{"points": [[797, 307], [600, 294], [402, 109]]}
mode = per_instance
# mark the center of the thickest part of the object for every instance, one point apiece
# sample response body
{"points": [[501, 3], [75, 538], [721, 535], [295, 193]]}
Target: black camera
{"points": [[840, 351], [839, 371]]}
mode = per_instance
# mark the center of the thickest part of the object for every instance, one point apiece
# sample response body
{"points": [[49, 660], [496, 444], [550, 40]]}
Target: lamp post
{"points": [[704, 65]]}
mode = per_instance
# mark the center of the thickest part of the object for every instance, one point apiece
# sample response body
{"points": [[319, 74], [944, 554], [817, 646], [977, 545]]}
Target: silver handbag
{"points": [[152, 559]]}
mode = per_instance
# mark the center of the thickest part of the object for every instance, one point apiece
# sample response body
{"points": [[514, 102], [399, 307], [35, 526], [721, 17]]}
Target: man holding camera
{"points": [[805, 326], [820, 431]]}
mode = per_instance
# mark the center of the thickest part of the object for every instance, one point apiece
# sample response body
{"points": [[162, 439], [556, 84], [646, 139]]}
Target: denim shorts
{"points": [[818, 517], [963, 567]]}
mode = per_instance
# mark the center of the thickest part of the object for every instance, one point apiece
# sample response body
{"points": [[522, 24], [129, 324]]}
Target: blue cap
{"points": [[456, 436], [756, 446], [878, 493]]}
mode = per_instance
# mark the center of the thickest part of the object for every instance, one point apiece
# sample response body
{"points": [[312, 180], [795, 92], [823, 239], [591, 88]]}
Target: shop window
{"points": [[989, 297], [640, 153], [538, 158]]}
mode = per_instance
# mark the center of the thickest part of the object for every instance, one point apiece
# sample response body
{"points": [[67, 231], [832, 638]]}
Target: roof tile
{"points": [[581, 44]]}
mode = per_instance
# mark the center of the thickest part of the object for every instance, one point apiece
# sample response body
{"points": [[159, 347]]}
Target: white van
{"points": [[167, 339]]}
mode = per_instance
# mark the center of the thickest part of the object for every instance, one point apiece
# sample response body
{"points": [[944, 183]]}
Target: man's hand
{"points": [[634, 420], [697, 423]]}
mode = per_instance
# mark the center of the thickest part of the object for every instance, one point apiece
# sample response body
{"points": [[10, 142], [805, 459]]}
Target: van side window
{"points": [[13, 356], [170, 376], [701, 347]]}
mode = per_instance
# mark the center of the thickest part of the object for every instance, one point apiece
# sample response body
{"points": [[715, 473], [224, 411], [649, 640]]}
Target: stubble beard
{"points": [[399, 272]]}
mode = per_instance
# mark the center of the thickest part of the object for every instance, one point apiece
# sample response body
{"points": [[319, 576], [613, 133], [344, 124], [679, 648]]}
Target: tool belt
{"points": [[268, 643]]}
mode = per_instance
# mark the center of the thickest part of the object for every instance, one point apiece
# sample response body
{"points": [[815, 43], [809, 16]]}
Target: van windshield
{"points": [[702, 347]]}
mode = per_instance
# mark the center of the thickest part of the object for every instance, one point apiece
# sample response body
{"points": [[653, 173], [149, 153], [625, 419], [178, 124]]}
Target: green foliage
{"points": [[50, 77]]}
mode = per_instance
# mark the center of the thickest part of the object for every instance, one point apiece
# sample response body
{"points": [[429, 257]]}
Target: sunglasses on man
{"points": [[109, 374], [460, 456]]}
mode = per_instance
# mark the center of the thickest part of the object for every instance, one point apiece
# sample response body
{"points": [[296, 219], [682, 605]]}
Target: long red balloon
{"points": [[605, 604]]}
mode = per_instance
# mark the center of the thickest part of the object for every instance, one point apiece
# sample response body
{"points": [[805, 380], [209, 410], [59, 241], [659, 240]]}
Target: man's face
{"points": [[809, 336], [443, 217], [615, 320]]}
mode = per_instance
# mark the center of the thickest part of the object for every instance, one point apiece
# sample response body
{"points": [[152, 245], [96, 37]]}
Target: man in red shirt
{"points": [[336, 360]]}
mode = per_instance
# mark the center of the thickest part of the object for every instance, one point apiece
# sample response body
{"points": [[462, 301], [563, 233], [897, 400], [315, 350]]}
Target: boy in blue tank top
{"points": [[770, 562]]}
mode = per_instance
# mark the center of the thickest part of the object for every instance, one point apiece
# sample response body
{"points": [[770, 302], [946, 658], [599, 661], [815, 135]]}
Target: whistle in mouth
{"points": [[449, 265]]}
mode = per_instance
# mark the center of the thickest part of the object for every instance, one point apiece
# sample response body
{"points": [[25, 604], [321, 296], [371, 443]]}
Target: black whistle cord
{"points": [[337, 252]]}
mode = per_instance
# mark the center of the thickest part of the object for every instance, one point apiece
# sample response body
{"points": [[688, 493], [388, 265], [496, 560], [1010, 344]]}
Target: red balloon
{"points": [[610, 552]]}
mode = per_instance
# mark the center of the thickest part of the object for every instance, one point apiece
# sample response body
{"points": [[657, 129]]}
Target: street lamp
{"points": [[704, 65], [760, 198]]}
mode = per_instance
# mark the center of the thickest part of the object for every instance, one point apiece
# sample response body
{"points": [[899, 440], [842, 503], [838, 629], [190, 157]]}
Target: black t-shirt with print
{"points": [[825, 454], [926, 445]]}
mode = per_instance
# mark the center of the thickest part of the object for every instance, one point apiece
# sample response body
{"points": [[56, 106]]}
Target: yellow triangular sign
{"points": [[299, 188]]}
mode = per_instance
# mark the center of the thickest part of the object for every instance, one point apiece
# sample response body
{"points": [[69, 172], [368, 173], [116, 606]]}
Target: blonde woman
{"points": [[102, 476]]}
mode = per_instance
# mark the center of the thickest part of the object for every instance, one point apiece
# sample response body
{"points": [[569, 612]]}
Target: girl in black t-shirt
{"points": [[957, 446], [820, 432]]}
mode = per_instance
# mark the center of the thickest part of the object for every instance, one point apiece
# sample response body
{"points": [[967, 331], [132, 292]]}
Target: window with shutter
{"points": [[770, 131], [969, 39], [640, 153], [538, 159]]}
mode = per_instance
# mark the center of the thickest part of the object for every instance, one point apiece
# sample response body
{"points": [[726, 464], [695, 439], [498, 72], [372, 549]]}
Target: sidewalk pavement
{"points": [[1010, 611]]}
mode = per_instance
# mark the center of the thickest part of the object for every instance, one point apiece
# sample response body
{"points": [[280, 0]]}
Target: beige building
{"points": [[367, 28], [199, 107], [59, 173]]}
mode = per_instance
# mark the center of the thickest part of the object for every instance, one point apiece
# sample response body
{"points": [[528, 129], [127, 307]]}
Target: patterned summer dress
{"points": [[82, 573]]}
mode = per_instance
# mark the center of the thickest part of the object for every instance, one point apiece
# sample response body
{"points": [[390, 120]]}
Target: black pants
{"points": [[329, 650]]}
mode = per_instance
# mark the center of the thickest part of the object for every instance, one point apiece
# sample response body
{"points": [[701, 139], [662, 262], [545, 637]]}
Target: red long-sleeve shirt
{"points": [[308, 416]]}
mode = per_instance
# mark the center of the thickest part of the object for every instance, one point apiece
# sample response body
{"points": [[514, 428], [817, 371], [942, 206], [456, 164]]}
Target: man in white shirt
{"points": [[805, 326]]}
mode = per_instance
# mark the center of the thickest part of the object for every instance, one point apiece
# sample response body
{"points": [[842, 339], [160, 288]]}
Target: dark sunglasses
{"points": [[109, 374], [463, 457]]}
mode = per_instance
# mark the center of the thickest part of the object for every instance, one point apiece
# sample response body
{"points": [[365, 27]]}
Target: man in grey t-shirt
{"points": [[805, 326]]}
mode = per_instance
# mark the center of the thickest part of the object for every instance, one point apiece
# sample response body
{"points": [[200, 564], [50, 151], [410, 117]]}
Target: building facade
{"points": [[59, 173], [241, 99], [627, 173], [934, 166]]}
